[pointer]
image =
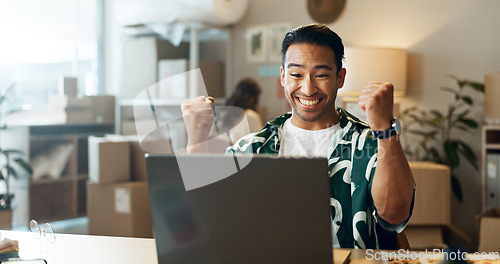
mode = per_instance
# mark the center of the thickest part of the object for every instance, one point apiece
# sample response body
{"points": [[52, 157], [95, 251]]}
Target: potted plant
{"points": [[440, 133], [8, 168]]}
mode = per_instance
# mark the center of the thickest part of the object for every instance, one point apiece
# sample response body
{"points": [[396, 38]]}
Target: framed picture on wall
{"points": [[255, 42]]}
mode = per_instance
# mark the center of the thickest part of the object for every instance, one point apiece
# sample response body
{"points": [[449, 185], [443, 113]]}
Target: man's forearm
{"points": [[393, 184]]}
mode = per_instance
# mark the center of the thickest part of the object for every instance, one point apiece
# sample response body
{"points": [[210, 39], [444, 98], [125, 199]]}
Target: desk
{"points": [[86, 249]]}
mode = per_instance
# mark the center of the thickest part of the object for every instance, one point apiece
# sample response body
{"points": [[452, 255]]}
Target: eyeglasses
{"points": [[47, 231]]}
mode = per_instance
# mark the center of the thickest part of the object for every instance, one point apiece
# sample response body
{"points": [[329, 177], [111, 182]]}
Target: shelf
{"points": [[63, 178], [60, 198], [492, 147], [490, 150]]}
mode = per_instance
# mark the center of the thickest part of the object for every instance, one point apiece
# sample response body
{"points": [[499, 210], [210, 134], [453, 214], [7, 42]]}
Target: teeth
{"points": [[308, 102]]}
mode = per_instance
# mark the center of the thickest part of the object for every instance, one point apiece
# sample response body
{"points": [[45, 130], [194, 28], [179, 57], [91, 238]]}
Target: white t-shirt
{"points": [[298, 142]]}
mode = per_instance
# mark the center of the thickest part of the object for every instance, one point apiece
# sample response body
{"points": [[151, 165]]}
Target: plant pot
{"points": [[6, 219]]}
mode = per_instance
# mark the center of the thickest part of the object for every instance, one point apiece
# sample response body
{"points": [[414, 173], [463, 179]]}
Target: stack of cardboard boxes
{"points": [[82, 110], [117, 191], [69, 108]]}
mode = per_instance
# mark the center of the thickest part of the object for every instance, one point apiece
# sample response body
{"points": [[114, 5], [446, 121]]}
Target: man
{"points": [[371, 183]]}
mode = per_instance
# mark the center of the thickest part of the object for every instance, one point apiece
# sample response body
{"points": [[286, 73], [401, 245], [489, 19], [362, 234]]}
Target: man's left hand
{"points": [[377, 101]]}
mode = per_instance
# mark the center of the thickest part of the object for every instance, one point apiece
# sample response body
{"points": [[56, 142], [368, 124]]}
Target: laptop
{"points": [[252, 209]]}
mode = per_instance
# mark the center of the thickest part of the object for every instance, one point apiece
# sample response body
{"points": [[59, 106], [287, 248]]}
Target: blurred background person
{"points": [[246, 98]]}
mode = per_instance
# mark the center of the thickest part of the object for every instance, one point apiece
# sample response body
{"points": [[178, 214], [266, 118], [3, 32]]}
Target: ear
{"points": [[341, 78], [282, 76]]}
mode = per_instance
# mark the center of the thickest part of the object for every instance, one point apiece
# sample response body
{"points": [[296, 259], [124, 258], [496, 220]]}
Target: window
{"points": [[41, 41]]}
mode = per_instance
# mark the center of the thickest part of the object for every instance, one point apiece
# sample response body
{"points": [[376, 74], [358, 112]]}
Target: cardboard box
{"points": [[431, 217], [432, 195], [87, 109], [489, 230], [109, 160], [138, 161], [64, 103], [77, 117], [71, 110], [103, 108], [137, 156], [138, 171], [425, 237], [119, 209], [68, 86]]}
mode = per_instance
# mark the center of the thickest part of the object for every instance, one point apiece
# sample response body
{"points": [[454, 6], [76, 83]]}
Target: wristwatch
{"points": [[395, 129]]}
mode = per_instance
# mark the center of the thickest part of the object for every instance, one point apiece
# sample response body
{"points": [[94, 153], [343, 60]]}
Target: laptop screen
{"points": [[244, 209]]}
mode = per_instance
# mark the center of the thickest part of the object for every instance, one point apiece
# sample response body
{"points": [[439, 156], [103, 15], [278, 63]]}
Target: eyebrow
{"points": [[322, 66]]}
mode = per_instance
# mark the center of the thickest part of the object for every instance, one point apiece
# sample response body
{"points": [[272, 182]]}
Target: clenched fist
{"points": [[377, 100], [198, 117]]}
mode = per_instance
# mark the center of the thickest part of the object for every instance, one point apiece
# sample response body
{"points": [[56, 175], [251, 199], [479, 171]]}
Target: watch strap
{"points": [[391, 131], [383, 134]]}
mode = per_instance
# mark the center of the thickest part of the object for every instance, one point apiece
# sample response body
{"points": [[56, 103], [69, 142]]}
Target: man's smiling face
{"points": [[310, 79]]}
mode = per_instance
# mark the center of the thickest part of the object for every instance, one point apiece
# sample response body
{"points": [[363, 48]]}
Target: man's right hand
{"points": [[198, 117]]}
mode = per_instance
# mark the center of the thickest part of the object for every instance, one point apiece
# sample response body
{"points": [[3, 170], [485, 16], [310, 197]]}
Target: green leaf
{"points": [[464, 113], [430, 135], [451, 90], [24, 165], [423, 146], [438, 117], [473, 84], [12, 151], [436, 113], [468, 122], [417, 132], [431, 123], [467, 100], [450, 149], [477, 86], [467, 152], [408, 152], [409, 109], [435, 155], [465, 129], [12, 172], [416, 118], [457, 189]]}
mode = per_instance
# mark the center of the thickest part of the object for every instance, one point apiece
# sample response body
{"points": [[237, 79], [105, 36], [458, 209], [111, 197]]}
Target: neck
{"points": [[322, 123]]}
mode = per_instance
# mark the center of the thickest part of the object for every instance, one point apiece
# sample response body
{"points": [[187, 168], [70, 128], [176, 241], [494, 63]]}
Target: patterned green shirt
{"points": [[351, 168]]}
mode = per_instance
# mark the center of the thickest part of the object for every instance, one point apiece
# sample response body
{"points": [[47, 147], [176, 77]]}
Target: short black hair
{"points": [[316, 34]]}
